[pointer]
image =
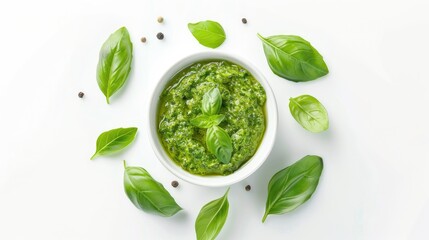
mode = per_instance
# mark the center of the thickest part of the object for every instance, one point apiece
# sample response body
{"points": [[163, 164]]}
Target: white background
{"points": [[375, 181]]}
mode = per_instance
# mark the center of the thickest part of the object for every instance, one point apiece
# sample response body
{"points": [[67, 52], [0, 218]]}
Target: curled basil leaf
{"points": [[208, 33], [219, 143], [114, 140], [293, 186], [310, 113], [147, 194], [114, 64], [212, 102], [211, 218], [205, 121], [293, 58]]}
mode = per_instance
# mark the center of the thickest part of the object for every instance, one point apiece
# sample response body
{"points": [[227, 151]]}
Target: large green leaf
{"points": [[310, 113], [211, 218], [114, 64], [208, 33], [293, 186], [114, 140], [147, 194], [293, 58]]}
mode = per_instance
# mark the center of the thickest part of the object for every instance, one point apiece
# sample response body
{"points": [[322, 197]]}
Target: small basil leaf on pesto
{"points": [[310, 113], [204, 121], [212, 102], [147, 194], [114, 64], [293, 58], [114, 140], [219, 143], [208, 33], [291, 187], [211, 218]]}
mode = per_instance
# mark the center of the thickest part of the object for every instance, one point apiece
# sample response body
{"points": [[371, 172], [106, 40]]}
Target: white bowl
{"points": [[252, 164]]}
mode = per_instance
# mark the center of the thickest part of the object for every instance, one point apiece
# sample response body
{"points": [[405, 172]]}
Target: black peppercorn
{"points": [[160, 35], [80, 94], [244, 20], [175, 184], [248, 188]]}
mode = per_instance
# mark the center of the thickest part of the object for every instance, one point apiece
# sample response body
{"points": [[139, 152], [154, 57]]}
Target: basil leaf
{"points": [[114, 64], [208, 33], [293, 58], [211, 218], [219, 143], [205, 121], [147, 194], [212, 102], [293, 186], [114, 140], [310, 113]]}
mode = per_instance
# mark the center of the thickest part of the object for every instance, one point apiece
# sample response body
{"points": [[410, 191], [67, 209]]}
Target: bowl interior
{"points": [[252, 164]]}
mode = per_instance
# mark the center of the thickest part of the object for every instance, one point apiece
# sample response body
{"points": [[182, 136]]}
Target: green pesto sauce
{"points": [[243, 101]]}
